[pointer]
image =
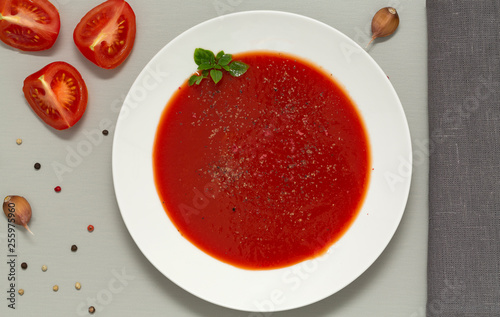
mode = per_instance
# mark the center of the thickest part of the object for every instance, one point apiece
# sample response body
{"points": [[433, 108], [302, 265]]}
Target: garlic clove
{"points": [[384, 23], [17, 209]]}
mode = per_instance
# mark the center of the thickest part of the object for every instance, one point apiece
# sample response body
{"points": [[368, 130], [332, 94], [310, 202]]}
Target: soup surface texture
{"points": [[265, 170]]}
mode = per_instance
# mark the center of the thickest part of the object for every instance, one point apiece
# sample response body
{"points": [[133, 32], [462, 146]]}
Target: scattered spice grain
{"points": [[21, 292], [78, 286], [57, 189], [55, 288], [74, 248], [44, 268], [91, 309], [24, 265], [19, 141], [90, 228], [38, 166]]}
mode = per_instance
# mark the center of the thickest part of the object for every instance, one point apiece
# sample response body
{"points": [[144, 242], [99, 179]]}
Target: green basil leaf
{"points": [[205, 66], [216, 75], [225, 59], [193, 79], [219, 55], [202, 56], [210, 64], [237, 68]]}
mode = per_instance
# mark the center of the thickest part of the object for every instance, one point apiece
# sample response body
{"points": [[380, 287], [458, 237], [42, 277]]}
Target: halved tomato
{"points": [[106, 34], [57, 94], [29, 25]]}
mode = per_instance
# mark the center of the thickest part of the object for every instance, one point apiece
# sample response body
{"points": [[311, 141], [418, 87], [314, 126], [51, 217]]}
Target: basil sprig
{"points": [[210, 64]]}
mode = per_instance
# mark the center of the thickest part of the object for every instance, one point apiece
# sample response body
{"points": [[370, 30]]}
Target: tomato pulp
{"points": [[265, 170], [29, 25], [106, 34], [58, 94]]}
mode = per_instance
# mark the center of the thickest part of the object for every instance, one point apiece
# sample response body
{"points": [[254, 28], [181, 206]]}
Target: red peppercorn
{"points": [[90, 228], [57, 189]]}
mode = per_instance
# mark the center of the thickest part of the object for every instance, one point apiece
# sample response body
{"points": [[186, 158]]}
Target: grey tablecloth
{"points": [[464, 122]]}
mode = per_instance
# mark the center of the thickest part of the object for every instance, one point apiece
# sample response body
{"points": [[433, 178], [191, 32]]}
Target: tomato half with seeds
{"points": [[57, 94], [106, 34], [29, 25]]}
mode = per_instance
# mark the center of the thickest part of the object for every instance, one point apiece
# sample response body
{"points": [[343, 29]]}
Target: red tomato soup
{"points": [[264, 170]]}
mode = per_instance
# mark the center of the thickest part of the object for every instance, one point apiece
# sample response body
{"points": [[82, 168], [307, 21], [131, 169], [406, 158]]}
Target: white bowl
{"points": [[303, 283]]}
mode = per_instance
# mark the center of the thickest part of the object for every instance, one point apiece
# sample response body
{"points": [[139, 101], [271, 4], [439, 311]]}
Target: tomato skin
{"points": [[58, 94], [29, 25], [106, 34]]}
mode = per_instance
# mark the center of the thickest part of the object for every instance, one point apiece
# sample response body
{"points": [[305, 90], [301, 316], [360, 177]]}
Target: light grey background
{"points": [[116, 278]]}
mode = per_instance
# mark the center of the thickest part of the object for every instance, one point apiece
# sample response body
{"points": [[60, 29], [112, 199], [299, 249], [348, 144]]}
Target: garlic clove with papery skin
{"points": [[384, 23], [18, 210]]}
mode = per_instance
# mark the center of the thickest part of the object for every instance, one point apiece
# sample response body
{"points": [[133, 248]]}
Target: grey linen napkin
{"points": [[464, 148]]}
